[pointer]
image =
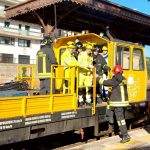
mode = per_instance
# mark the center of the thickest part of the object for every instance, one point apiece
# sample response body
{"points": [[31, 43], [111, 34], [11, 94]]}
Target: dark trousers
{"points": [[119, 113], [66, 86], [98, 92]]}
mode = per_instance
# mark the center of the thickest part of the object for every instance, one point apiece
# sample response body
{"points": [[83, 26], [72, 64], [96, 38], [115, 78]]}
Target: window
{"points": [[123, 57], [20, 26], [23, 43], [27, 27], [138, 61], [7, 40], [24, 59], [6, 58], [6, 24]]}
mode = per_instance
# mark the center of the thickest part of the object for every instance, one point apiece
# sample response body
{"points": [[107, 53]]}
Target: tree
{"points": [[148, 65]]}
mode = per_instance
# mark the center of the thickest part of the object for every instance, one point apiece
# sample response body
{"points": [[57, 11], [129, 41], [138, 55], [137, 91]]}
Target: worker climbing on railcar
{"points": [[45, 58], [118, 100], [68, 60], [85, 75], [79, 48], [101, 66], [105, 73]]}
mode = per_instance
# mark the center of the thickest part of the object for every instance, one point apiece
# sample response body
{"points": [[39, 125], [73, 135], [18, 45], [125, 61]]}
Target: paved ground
{"points": [[140, 141]]}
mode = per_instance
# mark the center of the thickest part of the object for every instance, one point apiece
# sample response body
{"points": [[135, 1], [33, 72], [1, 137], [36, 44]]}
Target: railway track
{"points": [[61, 141]]}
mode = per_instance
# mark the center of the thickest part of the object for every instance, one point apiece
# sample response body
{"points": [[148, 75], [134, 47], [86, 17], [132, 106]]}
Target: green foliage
{"points": [[24, 72], [148, 66]]}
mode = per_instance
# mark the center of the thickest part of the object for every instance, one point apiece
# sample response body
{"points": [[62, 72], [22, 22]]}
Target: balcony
{"points": [[21, 33], [2, 13]]}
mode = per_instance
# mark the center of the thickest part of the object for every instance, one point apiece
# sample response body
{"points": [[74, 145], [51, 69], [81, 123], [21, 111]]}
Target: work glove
{"points": [[124, 81], [91, 67], [99, 79], [107, 68], [83, 67]]}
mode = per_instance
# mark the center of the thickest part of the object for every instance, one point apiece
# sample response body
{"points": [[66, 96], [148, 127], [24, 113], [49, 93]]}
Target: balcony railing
{"points": [[2, 13], [22, 33]]}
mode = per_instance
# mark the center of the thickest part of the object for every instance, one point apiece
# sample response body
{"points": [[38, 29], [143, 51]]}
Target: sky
{"points": [[139, 5]]}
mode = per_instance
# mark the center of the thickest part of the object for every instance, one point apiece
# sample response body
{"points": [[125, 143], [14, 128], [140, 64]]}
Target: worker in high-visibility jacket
{"points": [[118, 100], [85, 60], [101, 66], [105, 53], [105, 73], [68, 60], [45, 58], [79, 48]]}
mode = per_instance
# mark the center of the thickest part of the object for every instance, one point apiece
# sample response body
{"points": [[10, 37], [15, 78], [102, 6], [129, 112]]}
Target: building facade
{"points": [[19, 42]]}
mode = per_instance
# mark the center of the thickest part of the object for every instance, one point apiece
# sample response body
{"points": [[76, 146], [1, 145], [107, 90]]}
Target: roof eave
{"points": [[104, 6]]}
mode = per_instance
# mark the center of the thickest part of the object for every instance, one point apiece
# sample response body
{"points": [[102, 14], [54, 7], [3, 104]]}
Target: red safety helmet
{"points": [[117, 69]]}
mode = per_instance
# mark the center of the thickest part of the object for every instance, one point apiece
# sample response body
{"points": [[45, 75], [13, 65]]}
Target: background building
{"points": [[19, 42]]}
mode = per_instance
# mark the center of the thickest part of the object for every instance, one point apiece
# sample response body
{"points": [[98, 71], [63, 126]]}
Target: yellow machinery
{"points": [[27, 73], [129, 55], [41, 115], [32, 105]]}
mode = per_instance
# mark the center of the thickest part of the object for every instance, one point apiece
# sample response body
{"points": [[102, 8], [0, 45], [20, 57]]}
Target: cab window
{"points": [[123, 57], [138, 61]]}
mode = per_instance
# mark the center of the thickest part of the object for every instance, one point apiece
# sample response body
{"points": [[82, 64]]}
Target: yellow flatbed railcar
{"points": [[29, 117]]}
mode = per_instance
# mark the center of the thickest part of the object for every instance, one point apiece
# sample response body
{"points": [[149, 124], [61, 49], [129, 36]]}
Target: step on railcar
{"points": [[28, 117]]}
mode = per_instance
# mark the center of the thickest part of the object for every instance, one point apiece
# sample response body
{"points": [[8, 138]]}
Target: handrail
{"points": [[31, 77], [71, 87], [21, 32], [73, 83], [94, 92]]}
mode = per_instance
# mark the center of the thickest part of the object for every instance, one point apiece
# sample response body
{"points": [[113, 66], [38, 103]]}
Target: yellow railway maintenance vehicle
{"points": [[28, 117]]}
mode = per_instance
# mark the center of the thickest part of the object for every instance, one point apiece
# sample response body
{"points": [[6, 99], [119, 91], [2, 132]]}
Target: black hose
{"points": [[15, 85]]}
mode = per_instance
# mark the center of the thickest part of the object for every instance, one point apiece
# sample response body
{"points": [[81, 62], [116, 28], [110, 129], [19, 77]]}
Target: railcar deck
{"points": [[19, 128]]}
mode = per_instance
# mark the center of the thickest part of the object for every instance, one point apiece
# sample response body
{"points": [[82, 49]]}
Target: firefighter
{"points": [[85, 75], [101, 67], [68, 60], [45, 58], [79, 48], [105, 73], [118, 101], [105, 53]]}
